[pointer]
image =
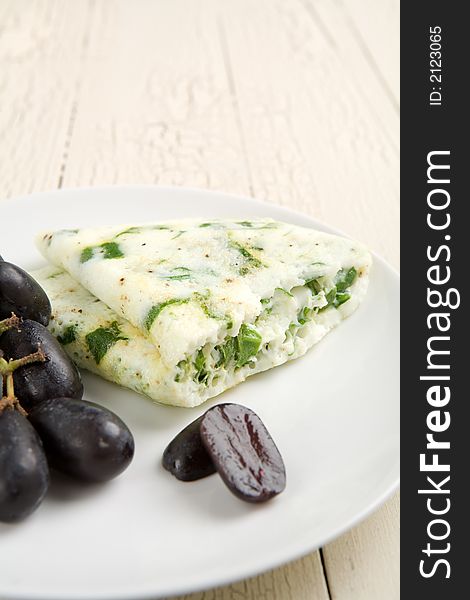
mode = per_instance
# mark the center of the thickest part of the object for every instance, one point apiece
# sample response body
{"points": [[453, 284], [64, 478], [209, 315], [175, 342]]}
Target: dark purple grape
{"points": [[82, 439], [186, 457], [34, 383], [24, 474], [243, 452], [22, 295]]}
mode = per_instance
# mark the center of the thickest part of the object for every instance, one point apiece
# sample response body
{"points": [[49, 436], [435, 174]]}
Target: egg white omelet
{"points": [[181, 311]]}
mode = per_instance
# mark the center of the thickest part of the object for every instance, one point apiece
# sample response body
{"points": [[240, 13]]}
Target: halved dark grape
{"points": [[34, 383], [22, 295], [83, 439], [243, 452], [24, 474], [186, 457]]}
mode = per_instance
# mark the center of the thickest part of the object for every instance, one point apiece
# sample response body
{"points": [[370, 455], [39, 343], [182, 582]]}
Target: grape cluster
{"points": [[43, 420]]}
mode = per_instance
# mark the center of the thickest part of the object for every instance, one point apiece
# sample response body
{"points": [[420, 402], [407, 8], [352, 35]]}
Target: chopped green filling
{"points": [[227, 351], [139, 229], [86, 254], [107, 249], [341, 298], [305, 315], [273, 225], [331, 295], [250, 261], [111, 250], [241, 348], [202, 299], [344, 279], [200, 367], [101, 340], [237, 351], [257, 225], [338, 294], [314, 285], [285, 292], [184, 367], [54, 275], [182, 273], [248, 344], [68, 336], [129, 230], [157, 309], [181, 277]]}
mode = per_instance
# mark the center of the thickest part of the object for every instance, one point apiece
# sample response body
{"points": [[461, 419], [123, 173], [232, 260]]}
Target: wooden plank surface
{"points": [[292, 101]]}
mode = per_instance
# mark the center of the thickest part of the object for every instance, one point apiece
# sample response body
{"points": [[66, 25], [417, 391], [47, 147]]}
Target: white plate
{"points": [[334, 415]]}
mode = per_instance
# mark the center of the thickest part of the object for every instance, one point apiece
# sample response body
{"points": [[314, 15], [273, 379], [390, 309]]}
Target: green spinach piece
{"points": [[182, 273], [251, 262], [111, 250], [227, 352], [201, 374], [305, 315], [202, 300], [101, 340], [341, 298], [107, 249], [183, 366], [157, 309], [129, 230], [314, 285], [331, 295], [68, 336], [285, 291], [248, 344], [86, 254], [345, 278]]}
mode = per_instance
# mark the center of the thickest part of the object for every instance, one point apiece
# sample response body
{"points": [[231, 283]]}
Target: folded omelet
{"points": [[181, 311]]}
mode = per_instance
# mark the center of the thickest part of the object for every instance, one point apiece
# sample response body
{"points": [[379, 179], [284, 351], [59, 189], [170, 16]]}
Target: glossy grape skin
{"points": [[24, 474], [34, 383], [82, 439], [243, 452], [186, 457], [22, 295]]}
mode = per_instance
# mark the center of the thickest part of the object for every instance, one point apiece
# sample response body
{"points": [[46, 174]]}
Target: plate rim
{"points": [[148, 592], [199, 190]]}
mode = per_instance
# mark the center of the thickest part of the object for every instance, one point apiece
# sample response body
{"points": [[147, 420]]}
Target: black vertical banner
{"points": [[435, 238]]}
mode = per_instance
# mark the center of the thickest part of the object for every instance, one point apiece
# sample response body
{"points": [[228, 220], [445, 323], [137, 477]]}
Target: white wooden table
{"points": [[291, 101]]}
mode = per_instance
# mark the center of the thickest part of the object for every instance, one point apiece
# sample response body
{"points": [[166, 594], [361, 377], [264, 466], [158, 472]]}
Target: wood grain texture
{"points": [[376, 27], [335, 159], [292, 101], [364, 564], [154, 104], [40, 54], [299, 580]]}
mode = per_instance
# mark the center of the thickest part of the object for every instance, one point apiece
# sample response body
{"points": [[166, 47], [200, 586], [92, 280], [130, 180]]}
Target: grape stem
{"points": [[10, 323], [10, 400], [6, 373], [7, 367]]}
